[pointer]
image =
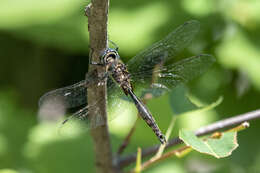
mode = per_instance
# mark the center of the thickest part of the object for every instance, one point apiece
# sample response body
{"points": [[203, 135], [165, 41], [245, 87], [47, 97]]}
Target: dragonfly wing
{"points": [[165, 49], [70, 96], [115, 94], [116, 98], [54, 103], [164, 78], [184, 70], [82, 117]]}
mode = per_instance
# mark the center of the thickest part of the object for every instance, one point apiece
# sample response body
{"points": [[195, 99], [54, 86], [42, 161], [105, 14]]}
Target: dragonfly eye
{"points": [[110, 56]]}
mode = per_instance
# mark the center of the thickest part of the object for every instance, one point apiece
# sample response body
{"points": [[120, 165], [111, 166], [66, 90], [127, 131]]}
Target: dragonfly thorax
{"points": [[121, 76]]}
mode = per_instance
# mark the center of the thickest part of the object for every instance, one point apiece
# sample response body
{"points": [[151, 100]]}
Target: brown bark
{"points": [[97, 13]]}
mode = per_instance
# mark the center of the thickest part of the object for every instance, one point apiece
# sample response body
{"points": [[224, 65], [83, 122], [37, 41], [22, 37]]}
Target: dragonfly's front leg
{"points": [[101, 63], [96, 63]]}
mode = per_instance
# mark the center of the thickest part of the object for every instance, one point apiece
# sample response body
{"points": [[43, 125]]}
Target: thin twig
{"points": [[97, 13], [128, 137], [219, 125]]}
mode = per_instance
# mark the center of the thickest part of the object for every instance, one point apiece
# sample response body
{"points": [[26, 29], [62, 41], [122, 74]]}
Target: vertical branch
{"points": [[97, 13]]}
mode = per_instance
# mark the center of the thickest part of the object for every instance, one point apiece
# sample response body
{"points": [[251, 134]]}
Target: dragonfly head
{"points": [[110, 56]]}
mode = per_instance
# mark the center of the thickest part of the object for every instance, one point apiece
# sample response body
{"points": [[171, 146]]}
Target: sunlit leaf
{"points": [[217, 147]]}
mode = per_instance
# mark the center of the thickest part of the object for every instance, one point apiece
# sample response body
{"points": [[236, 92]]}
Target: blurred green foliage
{"points": [[44, 45]]}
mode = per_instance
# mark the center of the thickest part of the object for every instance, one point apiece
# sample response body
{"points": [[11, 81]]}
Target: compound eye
{"points": [[112, 56], [108, 59]]}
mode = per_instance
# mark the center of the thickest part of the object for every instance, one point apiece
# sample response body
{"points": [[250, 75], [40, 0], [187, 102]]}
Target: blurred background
{"points": [[44, 45]]}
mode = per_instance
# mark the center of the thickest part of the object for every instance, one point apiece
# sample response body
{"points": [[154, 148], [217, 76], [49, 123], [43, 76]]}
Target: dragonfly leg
{"points": [[96, 63]]}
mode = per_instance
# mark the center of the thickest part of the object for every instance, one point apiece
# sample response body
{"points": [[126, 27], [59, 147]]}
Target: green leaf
{"points": [[219, 148], [181, 103]]}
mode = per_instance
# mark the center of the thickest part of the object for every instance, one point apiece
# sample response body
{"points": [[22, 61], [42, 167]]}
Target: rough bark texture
{"points": [[97, 13]]}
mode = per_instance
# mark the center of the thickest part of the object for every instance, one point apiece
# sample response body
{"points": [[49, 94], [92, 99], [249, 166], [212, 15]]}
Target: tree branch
{"points": [[97, 13], [219, 125]]}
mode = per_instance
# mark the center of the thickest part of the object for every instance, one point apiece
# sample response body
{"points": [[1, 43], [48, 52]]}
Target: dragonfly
{"points": [[151, 71]]}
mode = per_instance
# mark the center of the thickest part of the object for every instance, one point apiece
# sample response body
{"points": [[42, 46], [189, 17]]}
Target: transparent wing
{"points": [[165, 49], [82, 118], [114, 92], [55, 103], [70, 96], [164, 78]]}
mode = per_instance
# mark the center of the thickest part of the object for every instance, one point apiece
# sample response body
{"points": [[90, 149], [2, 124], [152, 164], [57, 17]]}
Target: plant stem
{"points": [[97, 13]]}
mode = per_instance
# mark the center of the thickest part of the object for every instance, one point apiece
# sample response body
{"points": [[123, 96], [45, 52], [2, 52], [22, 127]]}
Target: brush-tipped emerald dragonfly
{"points": [[136, 77]]}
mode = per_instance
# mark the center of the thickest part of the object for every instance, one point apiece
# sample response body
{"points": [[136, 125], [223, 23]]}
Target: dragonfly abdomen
{"points": [[147, 117]]}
